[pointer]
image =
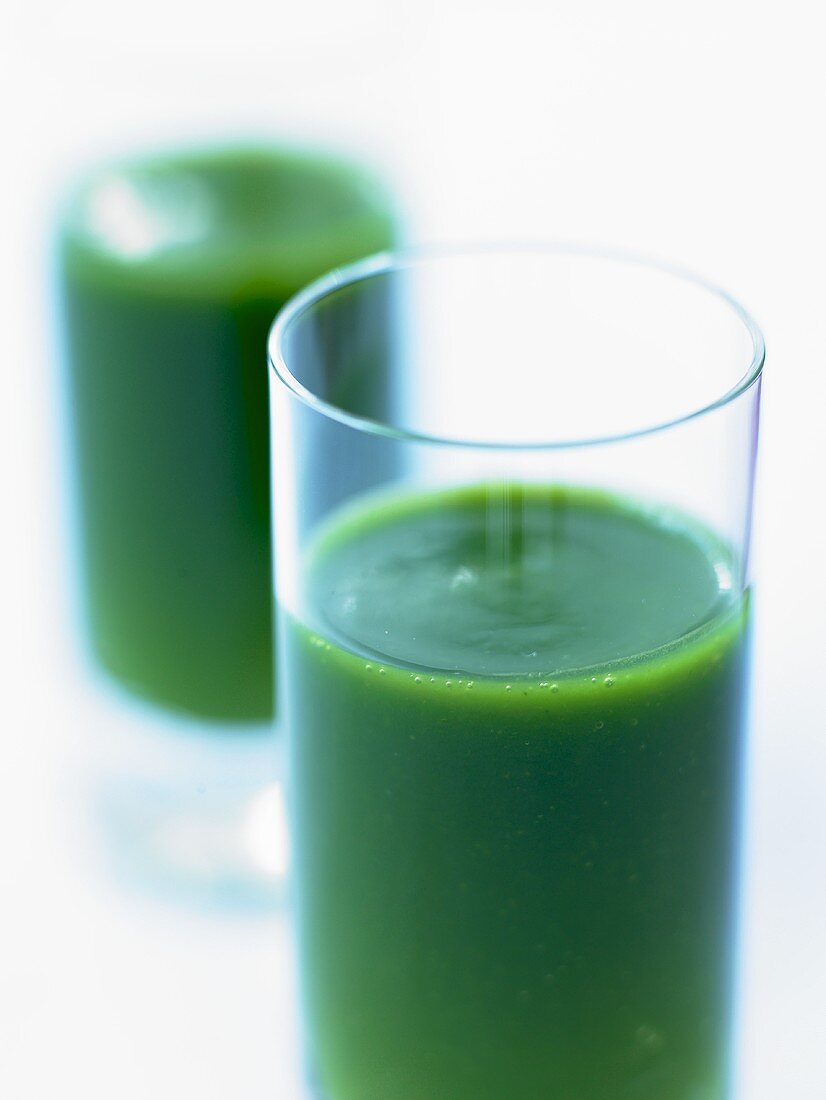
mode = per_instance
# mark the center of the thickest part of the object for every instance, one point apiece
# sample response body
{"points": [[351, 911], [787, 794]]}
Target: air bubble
{"points": [[462, 577], [609, 681], [554, 688], [649, 1037]]}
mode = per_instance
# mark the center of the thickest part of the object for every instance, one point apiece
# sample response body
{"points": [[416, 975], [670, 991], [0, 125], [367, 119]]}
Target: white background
{"points": [[690, 131]]}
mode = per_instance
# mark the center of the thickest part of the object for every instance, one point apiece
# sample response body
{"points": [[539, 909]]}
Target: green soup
{"points": [[172, 272], [515, 721]]}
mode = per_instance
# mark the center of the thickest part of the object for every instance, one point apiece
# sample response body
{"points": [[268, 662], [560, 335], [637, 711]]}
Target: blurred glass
{"points": [[514, 669], [172, 267]]}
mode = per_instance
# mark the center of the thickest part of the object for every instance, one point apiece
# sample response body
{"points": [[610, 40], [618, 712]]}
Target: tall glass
{"points": [[171, 266], [512, 511]]}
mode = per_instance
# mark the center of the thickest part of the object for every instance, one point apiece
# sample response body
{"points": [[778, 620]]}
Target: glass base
{"points": [[189, 811]]}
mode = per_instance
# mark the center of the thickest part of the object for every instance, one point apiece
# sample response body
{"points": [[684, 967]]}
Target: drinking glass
{"points": [[171, 266], [512, 509]]}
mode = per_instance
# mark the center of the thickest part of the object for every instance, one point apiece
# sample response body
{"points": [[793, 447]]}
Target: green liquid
{"points": [[172, 272], [515, 733]]}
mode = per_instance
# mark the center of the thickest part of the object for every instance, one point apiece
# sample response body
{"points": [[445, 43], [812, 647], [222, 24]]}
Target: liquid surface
{"points": [[219, 221], [517, 581], [511, 884]]}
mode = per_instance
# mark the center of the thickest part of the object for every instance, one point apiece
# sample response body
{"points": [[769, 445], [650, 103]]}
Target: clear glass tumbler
{"points": [[170, 266], [512, 499]]}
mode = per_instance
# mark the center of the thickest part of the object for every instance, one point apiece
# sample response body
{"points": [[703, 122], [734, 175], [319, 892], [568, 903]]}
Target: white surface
{"points": [[693, 132]]}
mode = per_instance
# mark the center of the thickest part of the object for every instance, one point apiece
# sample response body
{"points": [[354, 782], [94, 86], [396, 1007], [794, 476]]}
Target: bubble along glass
{"points": [[515, 674]]}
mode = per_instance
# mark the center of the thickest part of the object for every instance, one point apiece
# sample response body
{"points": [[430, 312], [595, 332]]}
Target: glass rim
{"points": [[384, 263]]}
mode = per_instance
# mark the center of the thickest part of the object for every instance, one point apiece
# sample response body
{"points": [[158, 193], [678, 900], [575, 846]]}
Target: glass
{"points": [[171, 267], [512, 512]]}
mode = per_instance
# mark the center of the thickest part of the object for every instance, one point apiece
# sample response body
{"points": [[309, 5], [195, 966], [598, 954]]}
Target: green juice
{"points": [[172, 270], [516, 719]]}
